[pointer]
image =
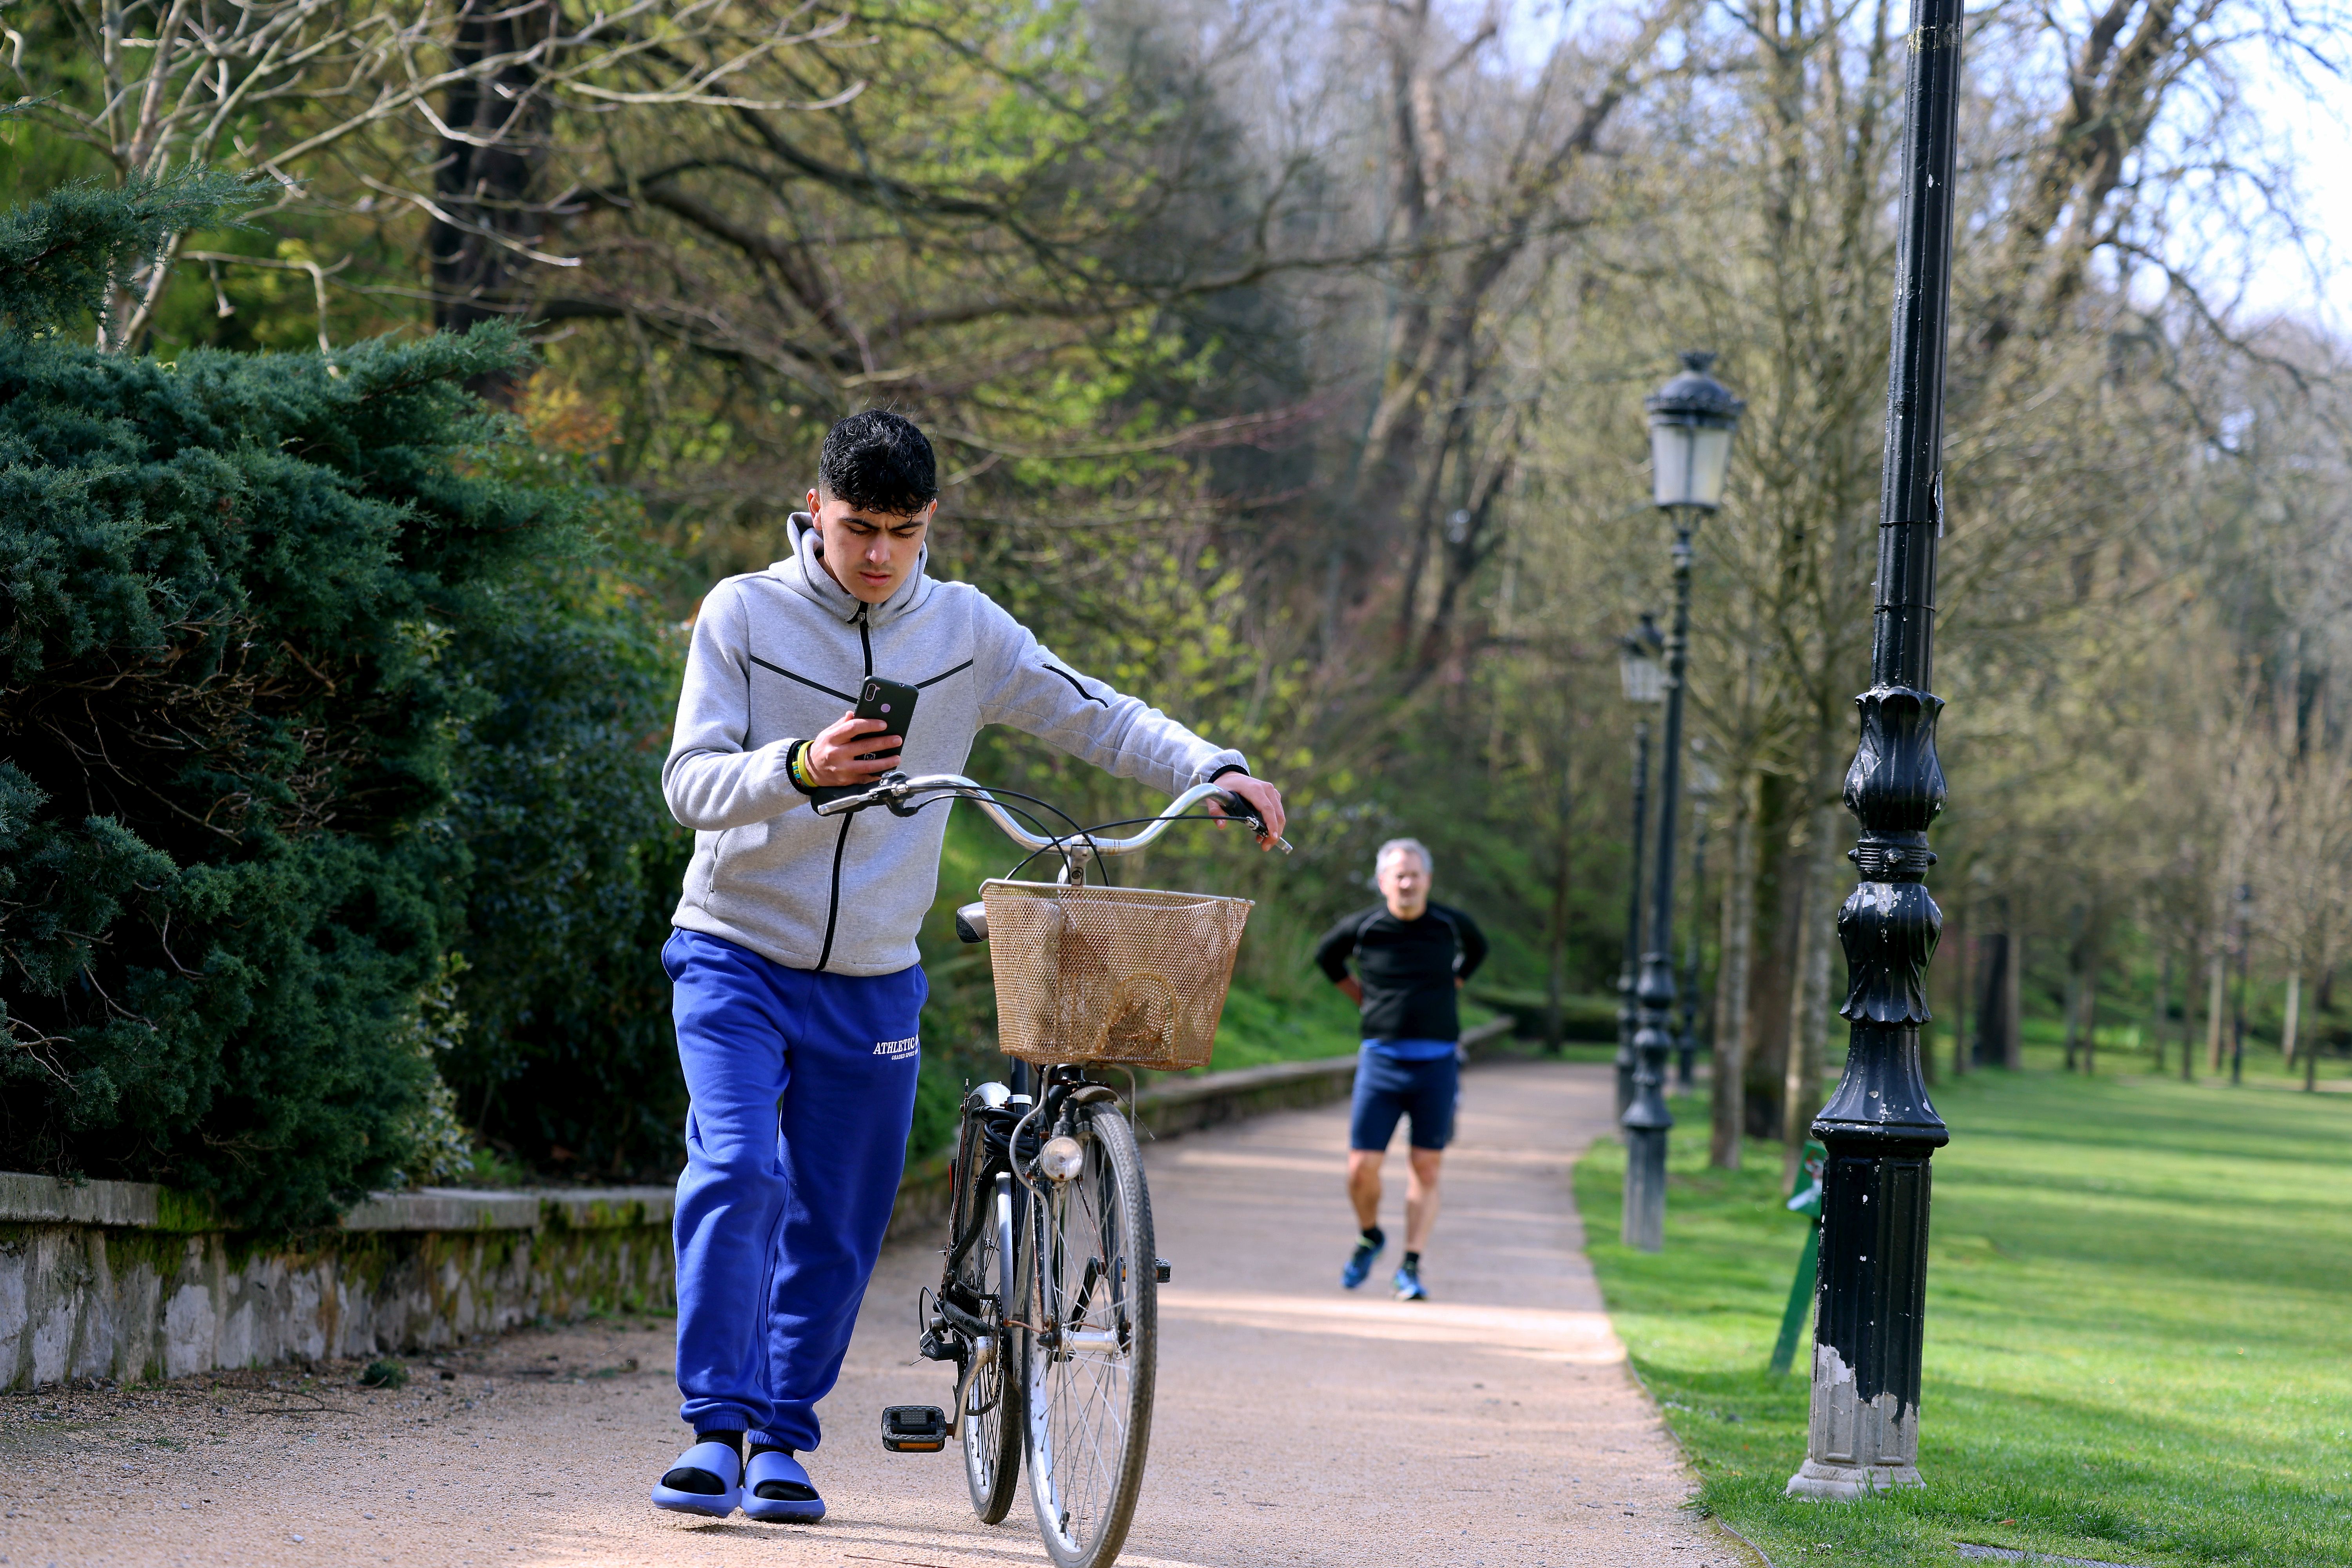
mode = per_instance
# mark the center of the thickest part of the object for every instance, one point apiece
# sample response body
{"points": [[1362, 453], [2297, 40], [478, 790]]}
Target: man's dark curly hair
{"points": [[877, 461]]}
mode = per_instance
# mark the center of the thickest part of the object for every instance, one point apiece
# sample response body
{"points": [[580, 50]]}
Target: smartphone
{"points": [[889, 701]]}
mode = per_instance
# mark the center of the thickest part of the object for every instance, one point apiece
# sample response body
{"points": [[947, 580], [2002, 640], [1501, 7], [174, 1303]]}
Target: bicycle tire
{"points": [[1092, 1271], [991, 1419]]}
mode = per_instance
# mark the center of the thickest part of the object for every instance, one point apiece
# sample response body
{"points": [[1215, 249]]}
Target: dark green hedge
{"points": [[568, 1058], [230, 722], [309, 676]]}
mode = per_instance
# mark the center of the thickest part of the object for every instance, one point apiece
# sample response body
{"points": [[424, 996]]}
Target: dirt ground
{"points": [[1298, 1424]]}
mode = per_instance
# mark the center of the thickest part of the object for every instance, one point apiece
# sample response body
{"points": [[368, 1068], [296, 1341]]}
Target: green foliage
{"points": [[231, 716], [443, 1150], [571, 1061], [2134, 1347], [60, 254], [384, 1374]]}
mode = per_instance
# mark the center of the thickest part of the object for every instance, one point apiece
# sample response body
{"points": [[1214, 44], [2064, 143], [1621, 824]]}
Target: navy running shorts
{"points": [[1388, 1089]]}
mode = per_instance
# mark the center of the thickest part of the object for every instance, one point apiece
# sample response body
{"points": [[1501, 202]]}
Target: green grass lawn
{"points": [[2139, 1337]]}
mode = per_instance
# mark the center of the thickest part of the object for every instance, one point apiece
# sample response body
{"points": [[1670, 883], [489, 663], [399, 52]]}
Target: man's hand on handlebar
{"points": [[833, 756], [1263, 797]]}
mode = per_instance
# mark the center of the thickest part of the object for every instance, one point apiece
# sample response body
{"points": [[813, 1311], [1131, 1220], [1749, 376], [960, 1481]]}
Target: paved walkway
{"points": [[1297, 1425]]}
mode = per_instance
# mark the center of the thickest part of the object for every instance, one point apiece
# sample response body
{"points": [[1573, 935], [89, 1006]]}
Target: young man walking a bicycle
{"points": [[1411, 956], [798, 989]]}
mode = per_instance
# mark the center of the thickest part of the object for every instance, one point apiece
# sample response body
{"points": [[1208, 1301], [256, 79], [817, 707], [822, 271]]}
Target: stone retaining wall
{"points": [[130, 1280], [126, 1280]]}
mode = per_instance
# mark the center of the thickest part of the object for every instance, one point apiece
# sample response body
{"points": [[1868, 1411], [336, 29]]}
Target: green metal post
{"points": [[1806, 1201]]}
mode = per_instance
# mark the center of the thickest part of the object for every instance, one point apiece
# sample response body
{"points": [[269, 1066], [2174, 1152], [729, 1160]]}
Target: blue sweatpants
{"points": [[803, 1088]]}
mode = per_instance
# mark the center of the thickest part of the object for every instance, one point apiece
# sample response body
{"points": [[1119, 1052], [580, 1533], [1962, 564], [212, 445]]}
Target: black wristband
{"points": [[1229, 768]]}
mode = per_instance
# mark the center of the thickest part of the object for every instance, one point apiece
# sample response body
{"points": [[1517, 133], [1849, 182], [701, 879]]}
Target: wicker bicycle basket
{"points": [[1129, 975]]}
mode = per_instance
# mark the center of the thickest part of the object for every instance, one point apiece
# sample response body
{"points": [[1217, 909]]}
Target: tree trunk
{"points": [[1808, 1012], [2012, 1011], [2218, 961], [2293, 1011], [2158, 1018], [485, 192], [2077, 949], [1997, 1044], [1960, 975], [2090, 1010], [1778, 897], [1556, 976], [1728, 1109], [2074, 1001], [2188, 1016]]}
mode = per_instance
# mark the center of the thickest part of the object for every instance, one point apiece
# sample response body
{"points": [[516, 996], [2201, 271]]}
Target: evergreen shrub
{"points": [[237, 730]]}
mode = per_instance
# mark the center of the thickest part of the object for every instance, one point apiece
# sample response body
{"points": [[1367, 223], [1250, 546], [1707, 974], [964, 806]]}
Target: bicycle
{"points": [[1049, 1303]]}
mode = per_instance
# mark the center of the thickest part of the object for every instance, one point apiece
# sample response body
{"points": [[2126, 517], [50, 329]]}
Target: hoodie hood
{"points": [[804, 573]]}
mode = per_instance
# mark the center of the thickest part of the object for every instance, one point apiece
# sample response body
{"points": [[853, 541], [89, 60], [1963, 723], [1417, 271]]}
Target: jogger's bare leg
{"points": [[1364, 1185], [1420, 1196]]}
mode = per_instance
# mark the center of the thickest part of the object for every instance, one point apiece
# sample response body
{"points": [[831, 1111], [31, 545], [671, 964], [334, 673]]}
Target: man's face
{"points": [[869, 552], [1403, 881]]}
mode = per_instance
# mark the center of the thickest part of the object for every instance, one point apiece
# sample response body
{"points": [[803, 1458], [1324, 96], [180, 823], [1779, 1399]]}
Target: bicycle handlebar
{"points": [[894, 790]]}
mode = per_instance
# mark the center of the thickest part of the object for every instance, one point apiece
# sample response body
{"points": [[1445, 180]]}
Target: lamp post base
{"points": [[1843, 1483], [1645, 1225], [1856, 1445]]}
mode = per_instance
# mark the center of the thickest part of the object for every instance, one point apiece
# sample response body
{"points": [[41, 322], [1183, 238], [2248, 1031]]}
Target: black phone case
{"points": [[889, 701]]}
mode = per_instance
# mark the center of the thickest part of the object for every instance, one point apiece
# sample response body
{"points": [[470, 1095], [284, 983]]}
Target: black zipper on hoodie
{"points": [[833, 902]]}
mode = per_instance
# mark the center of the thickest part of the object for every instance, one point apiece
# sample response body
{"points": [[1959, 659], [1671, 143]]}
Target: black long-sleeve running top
{"points": [[1407, 967]]}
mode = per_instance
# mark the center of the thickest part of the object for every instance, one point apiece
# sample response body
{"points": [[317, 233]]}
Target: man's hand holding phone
{"points": [[844, 755]]}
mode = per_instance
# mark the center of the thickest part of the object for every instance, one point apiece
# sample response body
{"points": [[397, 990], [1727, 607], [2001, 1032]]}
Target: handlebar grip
{"points": [[1235, 806]]}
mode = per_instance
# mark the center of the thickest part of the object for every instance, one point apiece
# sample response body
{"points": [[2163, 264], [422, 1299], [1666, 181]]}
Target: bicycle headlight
{"points": [[1060, 1159]]}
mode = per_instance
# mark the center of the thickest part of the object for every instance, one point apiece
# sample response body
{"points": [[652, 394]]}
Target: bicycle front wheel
{"points": [[991, 1417], [1093, 1349]]}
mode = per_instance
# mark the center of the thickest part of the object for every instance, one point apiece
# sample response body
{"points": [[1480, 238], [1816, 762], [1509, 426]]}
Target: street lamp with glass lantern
{"points": [[1644, 680], [1692, 419]]}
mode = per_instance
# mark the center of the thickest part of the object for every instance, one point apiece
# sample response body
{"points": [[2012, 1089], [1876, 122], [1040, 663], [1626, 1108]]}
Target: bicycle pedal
{"points": [[913, 1428], [1161, 1269]]}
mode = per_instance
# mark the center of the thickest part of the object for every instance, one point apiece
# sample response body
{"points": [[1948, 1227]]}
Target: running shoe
{"points": [[1359, 1263], [1408, 1283]]}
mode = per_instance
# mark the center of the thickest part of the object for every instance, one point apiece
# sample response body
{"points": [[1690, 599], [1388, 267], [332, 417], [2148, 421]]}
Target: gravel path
{"points": [[1297, 1425]]}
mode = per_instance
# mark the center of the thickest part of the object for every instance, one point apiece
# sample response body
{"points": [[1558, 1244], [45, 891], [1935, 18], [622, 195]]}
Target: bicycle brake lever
{"points": [[881, 792], [1240, 810]]}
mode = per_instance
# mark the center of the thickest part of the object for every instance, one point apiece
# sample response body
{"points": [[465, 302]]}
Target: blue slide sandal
{"points": [[777, 1472], [702, 1463]]}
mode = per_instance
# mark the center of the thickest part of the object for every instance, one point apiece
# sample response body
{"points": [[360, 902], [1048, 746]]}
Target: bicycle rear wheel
{"points": [[991, 1417], [1093, 1354]]}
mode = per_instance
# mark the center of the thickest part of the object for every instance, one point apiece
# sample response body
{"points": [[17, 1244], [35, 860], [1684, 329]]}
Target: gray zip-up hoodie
{"points": [[778, 656]]}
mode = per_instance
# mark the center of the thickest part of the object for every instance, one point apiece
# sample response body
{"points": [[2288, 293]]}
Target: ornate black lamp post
{"points": [[1645, 688], [1692, 419], [1702, 793], [1879, 1127]]}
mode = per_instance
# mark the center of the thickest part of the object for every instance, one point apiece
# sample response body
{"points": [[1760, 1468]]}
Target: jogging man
{"points": [[797, 987], [1410, 957]]}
